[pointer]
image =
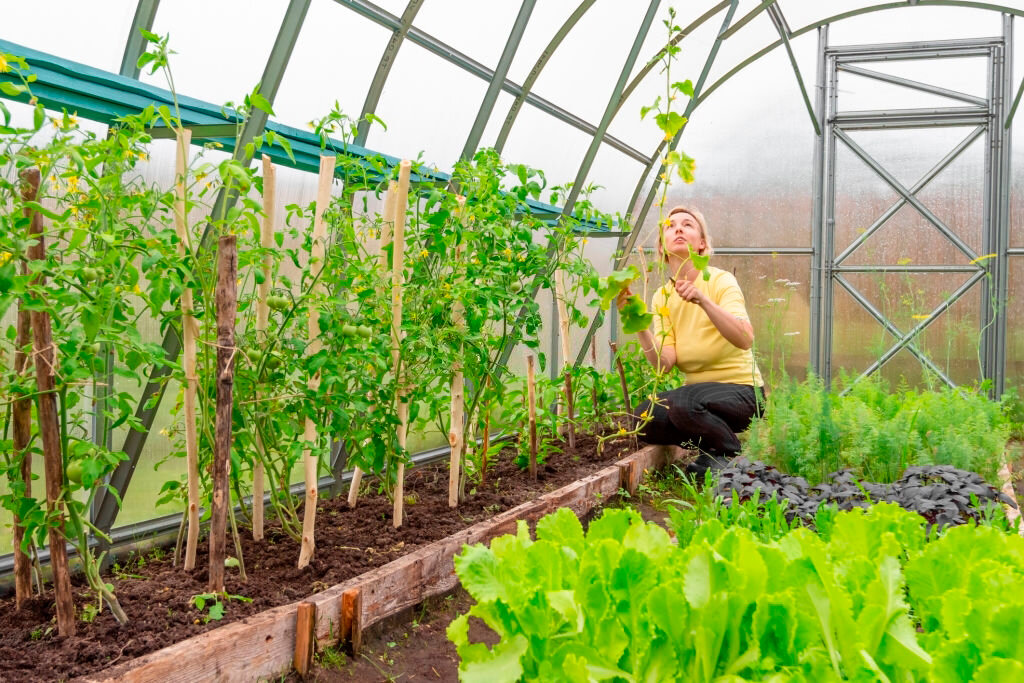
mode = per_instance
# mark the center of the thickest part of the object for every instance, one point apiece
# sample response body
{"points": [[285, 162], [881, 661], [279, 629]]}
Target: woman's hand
{"points": [[623, 296], [688, 292]]}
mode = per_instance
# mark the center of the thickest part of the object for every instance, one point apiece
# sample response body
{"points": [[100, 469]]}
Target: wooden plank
{"points": [[305, 638], [263, 645]]}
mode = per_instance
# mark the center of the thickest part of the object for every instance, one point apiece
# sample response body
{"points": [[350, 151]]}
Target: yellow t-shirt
{"points": [[701, 350]]}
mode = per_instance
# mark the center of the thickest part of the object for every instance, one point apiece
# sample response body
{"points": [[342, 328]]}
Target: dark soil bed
{"points": [[157, 596]]}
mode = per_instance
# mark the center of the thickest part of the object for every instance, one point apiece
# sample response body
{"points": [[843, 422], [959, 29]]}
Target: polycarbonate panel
{"points": [[967, 75], [905, 24], [581, 74], [857, 338], [777, 293], [756, 34], [559, 158], [861, 93], [1015, 325], [614, 176], [90, 33], [545, 21], [476, 29], [222, 47], [324, 70], [754, 171], [1017, 149], [429, 106]]}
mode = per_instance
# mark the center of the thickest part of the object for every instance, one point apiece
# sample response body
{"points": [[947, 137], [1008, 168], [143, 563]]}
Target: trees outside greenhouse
{"points": [[316, 311]]}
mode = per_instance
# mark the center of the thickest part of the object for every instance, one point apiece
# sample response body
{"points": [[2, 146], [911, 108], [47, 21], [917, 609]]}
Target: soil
{"points": [[157, 597]]}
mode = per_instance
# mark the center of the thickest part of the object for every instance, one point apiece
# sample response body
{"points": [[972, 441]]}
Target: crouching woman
{"points": [[702, 328]]}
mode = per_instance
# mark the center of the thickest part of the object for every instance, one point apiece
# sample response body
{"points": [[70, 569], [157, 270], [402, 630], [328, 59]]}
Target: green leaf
{"points": [[216, 612], [610, 286], [262, 103], [500, 664], [562, 528], [8, 88], [685, 87], [477, 569], [670, 122], [635, 317]]}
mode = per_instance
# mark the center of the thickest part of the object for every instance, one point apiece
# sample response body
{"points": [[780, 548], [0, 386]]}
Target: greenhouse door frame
{"points": [[983, 117]]}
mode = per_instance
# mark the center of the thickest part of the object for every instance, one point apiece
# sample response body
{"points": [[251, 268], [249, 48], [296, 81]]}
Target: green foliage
{"points": [[868, 600], [214, 604], [877, 431]]}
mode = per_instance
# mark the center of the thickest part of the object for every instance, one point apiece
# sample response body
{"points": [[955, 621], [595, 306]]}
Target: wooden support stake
{"points": [[262, 322], [351, 619], [317, 261], [227, 307], [622, 377], [386, 230], [190, 332], [593, 390], [305, 638], [531, 393], [1012, 513], [49, 425], [485, 443], [397, 279], [21, 417], [456, 432], [563, 335]]}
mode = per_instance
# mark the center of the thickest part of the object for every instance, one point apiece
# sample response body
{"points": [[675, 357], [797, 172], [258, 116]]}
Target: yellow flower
{"points": [[424, 253], [643, 416], [920, 316], [903, 262], [72, 120], [3, 63], [136, 290], [622, 431], [507, 252], [663, 311], [585, 240], [5, 257], [73, 183]]}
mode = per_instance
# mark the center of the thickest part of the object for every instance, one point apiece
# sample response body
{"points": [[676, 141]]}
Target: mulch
{"points": [[349, 542]]}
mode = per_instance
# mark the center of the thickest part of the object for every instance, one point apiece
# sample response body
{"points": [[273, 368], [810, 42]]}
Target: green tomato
{"points": [[88, 274], [74, 472], [95, 348], [255, 355], [516, 287], [278, 303], [364, 331], [349, 330], [273, 362]]}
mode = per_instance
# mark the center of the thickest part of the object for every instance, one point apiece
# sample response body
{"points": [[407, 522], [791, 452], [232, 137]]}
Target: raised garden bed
{"points": [[373, 582]]}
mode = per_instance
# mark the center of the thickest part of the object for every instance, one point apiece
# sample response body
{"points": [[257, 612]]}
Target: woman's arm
{"points": [[739, 333]]}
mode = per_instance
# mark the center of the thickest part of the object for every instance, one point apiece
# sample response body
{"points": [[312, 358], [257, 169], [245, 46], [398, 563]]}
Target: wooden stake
{"points": [[305, 637], [387, 223], [531, 392], [563, 330], [622, 377], [49, 425], [190, 332], [484, 445], [593, 390], [227, 307], [317, 261], [351, 619], [262, 322], [21, 416], [397, 274], [456, 432]]}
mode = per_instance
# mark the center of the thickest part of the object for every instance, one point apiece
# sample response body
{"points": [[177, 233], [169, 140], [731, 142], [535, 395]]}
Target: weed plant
{"points": [[877, 431]]}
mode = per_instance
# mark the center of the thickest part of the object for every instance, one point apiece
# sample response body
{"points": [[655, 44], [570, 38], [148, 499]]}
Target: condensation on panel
{"points": [[429, 106], [90, 33], [222, 57], [1017, 151], [1015, 325], [324, 70], [479, 30]]}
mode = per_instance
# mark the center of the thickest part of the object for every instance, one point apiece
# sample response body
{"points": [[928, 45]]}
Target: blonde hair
{"points": [[701, 222]]}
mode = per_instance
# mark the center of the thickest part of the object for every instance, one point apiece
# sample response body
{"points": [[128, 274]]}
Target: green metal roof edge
{"points": [[104, 96]]}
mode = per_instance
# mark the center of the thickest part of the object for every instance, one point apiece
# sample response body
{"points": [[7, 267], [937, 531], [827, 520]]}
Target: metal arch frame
{"points": [[483, 115], [991, 275], [108, 505], [380, 77], [466, 63], [531, 78], [135, 45]]}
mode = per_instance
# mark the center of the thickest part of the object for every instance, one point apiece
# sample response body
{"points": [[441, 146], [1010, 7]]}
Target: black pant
{"points": [[706, 415]]}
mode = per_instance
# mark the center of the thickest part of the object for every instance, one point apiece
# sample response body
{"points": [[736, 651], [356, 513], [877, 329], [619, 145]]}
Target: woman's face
{"points": [[682, 230]]}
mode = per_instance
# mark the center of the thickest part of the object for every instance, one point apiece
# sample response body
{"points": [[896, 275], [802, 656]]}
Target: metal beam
{"points": [[914, 85], [135, 45], [109, 505], [746, 19], [450, 54], [817, 276], [912, 118], [380, 77], [911, 199], [541, 62], [918, 186], [483, 115], [783, 28]]}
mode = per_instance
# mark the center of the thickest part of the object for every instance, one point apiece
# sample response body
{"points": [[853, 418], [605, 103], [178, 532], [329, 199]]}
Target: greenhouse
{"points": [[511, 340]]}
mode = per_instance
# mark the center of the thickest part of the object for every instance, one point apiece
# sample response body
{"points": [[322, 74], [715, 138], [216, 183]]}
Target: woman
{"points": [[702, 328]]}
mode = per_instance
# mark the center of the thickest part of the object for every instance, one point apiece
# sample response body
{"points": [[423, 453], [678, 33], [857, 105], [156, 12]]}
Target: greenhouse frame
{"points": [[506, 171]]}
